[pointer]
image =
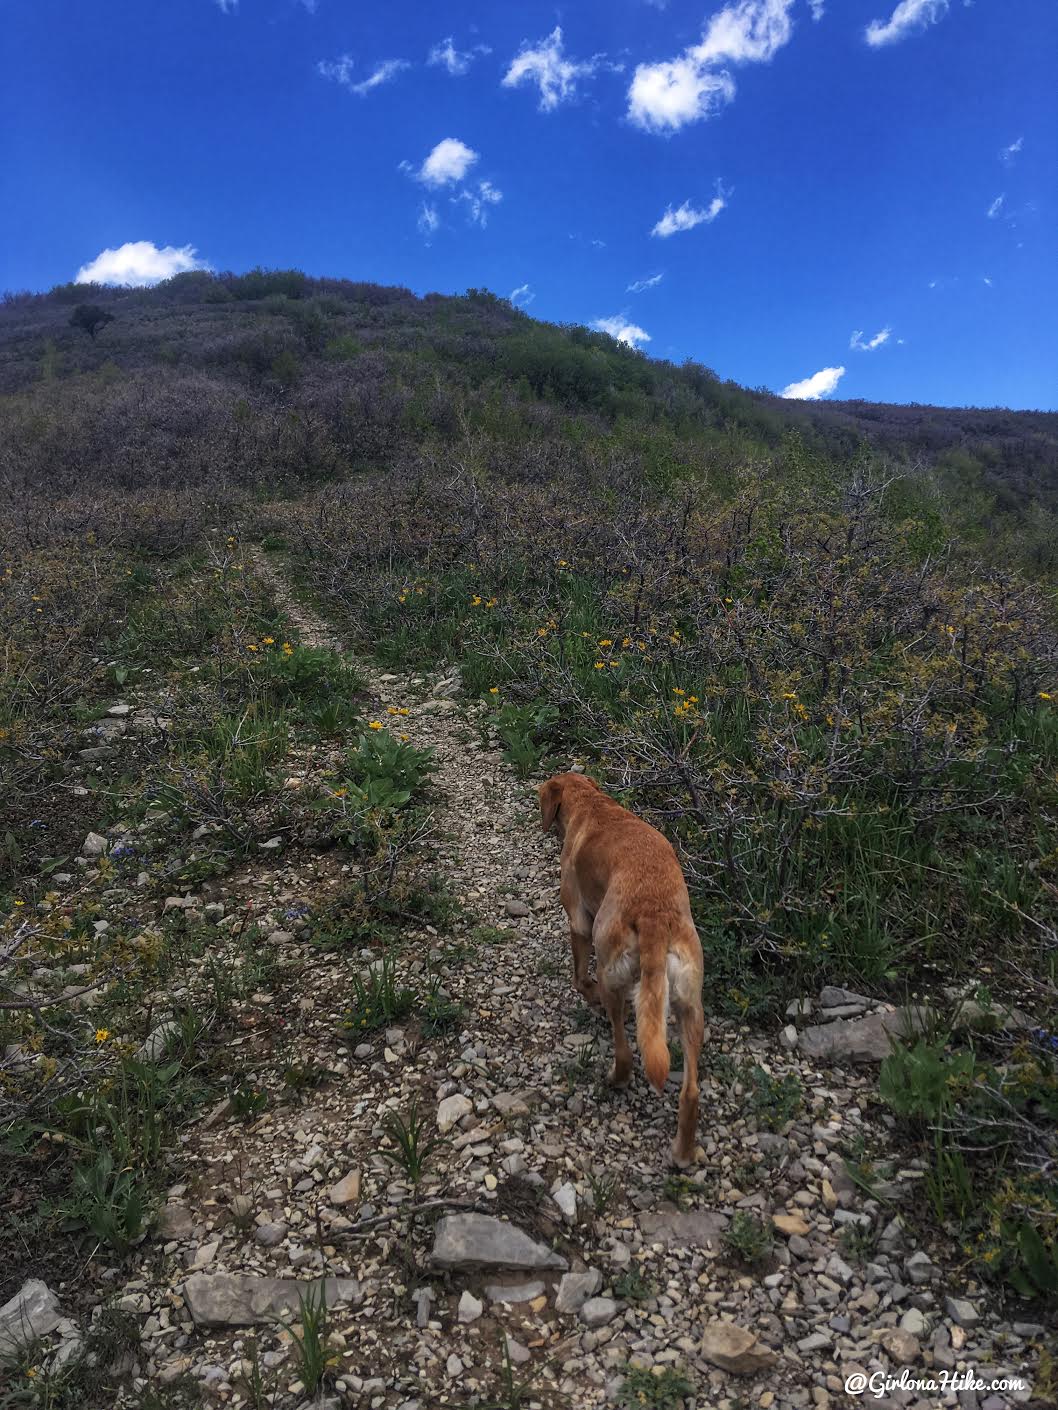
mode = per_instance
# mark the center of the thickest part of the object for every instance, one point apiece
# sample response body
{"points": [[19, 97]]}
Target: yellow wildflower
{"points": [[102, 1034], [375, 724]]}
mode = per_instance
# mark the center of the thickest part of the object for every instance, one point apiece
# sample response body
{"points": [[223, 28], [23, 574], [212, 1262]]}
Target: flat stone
{"points": [[511, 1103], [566, 1199], [832, 996], [789, 1224], [480, 1240], [694, 1229], [239, 1300], [174, 1221], [515, 909], [157, 1041], [32, 1313], [205, 1253], [736, 1349], [914, 1322], [903, 1347], [991, 1018], [518, 1353], [920, 1268], [961, 1312], [452, 1110], [815, 1341], [576, 1288], [864, 1039], [347, 1189], [470, 1308], [841, 1011], [270, 1234], [598, 1311], [95, 844]]}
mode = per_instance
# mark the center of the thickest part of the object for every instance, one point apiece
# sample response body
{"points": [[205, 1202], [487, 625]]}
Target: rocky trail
{"points": [[548, 1250]]}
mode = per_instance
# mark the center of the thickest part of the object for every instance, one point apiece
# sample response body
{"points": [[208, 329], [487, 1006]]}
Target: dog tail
{"points": [[652, 999]]}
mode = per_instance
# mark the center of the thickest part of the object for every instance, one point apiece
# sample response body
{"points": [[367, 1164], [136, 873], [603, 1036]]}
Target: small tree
{"points": [[90, 318]]}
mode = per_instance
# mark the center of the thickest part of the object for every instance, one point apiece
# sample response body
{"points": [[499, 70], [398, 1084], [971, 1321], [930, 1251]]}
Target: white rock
{"points": [[32, 1313], [575, 1288], [566, 1199], [347, 1189], [451, 1111], [597, 1311]]}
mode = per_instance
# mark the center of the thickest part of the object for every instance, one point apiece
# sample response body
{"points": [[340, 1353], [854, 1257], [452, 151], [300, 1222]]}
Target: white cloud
{"points": [[310, 5], [618, 327], [987, 280], [1009, 153], [686, 217], [816, 6], [814, 388], [428, 220], [478, 200], [856, 341], [545, 65], [448, 163], [996, 206], [665, 96], [341, 71], [908, 15], [641, 284], [386, 70], [139, 262], [456, 61], [227, 7], [522, 297]]}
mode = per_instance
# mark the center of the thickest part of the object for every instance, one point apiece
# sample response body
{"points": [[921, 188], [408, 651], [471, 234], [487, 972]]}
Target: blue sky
{"points": [[797, 172]]}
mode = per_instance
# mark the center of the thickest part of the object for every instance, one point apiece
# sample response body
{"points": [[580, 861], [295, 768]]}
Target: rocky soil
{"points": [[548, 1233]]}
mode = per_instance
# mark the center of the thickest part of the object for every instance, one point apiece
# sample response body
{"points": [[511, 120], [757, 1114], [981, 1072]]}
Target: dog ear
{"points": [[550, 801]]}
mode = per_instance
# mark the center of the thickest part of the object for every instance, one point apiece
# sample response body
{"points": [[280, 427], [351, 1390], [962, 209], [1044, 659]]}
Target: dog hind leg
{"points": [[613, 1000]]}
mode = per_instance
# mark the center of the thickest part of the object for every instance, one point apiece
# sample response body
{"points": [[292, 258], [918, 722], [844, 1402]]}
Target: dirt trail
{"points": [[538, 1138]]}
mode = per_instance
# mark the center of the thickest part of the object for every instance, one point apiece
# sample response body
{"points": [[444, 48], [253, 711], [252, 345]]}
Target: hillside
{"points": [[305, 586], [274, 376]]}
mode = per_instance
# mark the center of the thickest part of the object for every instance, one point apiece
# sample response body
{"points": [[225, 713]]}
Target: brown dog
{"points": [[624, 893]]}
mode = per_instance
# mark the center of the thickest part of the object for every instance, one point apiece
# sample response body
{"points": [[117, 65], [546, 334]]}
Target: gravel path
{"points": [[536, 1138]]}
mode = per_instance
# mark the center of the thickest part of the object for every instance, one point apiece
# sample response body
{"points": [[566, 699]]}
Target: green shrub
{"points": [[378, 1001], [110, 1203]]}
